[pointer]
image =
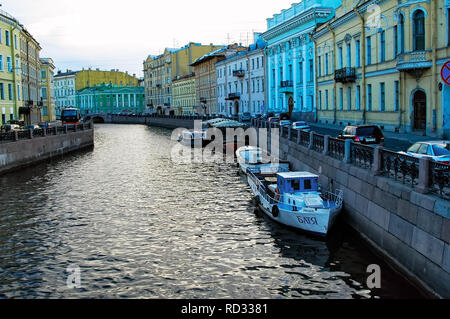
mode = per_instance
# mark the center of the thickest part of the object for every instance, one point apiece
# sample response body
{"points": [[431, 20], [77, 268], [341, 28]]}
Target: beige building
{"points": [[184, 95], [47, 90], [30, 66], [206, 78], [162, 70], [380, 61]]}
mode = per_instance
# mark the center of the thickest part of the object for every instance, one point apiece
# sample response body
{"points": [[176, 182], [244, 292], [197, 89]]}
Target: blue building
{"points": [[290, 56]]}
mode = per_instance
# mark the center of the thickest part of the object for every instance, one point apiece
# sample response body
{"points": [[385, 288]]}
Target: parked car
{"points": [[285, 123], [364, 134], [10, 128], [284, 116], [273, 120], [245, 117], [438, 151], [302, 126]]}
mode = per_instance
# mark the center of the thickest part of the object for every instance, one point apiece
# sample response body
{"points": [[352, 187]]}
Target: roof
{"points": [[57, 75], [222, 52], [290, 175]]}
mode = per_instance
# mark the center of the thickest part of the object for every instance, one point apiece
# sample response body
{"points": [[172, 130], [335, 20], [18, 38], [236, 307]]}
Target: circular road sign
{"points": [[445, 73]]}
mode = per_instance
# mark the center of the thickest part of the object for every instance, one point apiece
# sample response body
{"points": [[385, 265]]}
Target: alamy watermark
{"points": [[374, 279], [74, 278]]}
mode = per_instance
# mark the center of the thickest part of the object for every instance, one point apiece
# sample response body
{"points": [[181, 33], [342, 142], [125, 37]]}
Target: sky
{"points": [[112, 34]]}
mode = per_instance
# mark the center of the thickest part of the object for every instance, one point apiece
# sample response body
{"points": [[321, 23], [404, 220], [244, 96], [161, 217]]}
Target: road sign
{"points": [[445, 73]]}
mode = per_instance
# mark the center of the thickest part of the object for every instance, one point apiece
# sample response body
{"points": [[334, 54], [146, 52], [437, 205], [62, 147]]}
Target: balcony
{"points": [[413, 61], [239, 73], [203, 100], [345, 75], [233, 96], [287, 87]]}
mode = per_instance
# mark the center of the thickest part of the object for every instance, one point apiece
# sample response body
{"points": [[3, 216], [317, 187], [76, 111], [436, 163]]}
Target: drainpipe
{"points": [[334, 72], [363, 63], [14, 70], [316, 90], [434, 69]]}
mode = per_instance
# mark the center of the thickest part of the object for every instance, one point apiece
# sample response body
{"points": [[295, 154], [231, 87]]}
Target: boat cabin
{"points": [[297, 182]]}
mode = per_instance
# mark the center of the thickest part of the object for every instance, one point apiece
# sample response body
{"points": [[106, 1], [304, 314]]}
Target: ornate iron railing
{"points": [[294, 135], [318, 143], [38, 132], [23, 135], [304, 138], [362, 155], [7, 137], [336, 148], [400, 167], [284, 131], [440, 179]]}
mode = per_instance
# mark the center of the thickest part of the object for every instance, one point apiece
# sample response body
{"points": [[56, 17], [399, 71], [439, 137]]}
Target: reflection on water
{"points": [[139, 225]]}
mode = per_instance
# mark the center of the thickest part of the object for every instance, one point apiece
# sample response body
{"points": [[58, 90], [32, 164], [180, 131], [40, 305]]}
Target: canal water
{"points": [[137, 225]]}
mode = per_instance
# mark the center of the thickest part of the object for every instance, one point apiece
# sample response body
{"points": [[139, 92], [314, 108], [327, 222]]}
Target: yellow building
{"points": [[184, 97], [91, 78], [162, 70], [379, 62], [47, 90], [10, 76]]}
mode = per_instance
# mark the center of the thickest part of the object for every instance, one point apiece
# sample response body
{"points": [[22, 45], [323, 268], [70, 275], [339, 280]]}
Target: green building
{"points": [[109, 98]]}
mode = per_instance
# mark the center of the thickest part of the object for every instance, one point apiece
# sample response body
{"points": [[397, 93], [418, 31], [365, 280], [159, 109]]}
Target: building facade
{"points": [[31, 66], [290, 56], [64, 90], [380, 63], [206, 78], [240, 81], [91, 78], [10, 75], [110, 98], [160, 72], [47, 90], [184, 97]]}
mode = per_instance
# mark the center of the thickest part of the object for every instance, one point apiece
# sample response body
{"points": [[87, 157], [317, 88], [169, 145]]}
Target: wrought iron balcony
{"points": [[345, 75], [233, 96], [287, 84], [239, 73]]}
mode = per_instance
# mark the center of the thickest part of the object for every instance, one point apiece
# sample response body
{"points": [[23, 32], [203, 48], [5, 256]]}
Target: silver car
{"points": [[438, 151]]}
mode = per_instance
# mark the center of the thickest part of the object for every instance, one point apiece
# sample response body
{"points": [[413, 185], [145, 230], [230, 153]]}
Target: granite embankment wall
{"points": [[410, 229], [33, 149], [165, 122]]}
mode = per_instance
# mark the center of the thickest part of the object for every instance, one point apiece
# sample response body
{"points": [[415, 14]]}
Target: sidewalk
{"points": [[405, 137]]}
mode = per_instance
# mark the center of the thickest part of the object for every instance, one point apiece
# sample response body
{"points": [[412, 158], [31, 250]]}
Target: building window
{"points": [[358, 53], [18, 92], [340, 58], [369, 51], [341, 98], [448, 27], [349, 98], [382, 46], [300, 73], [397, 96], [320, 100], [326, 99], [369, 97], [395, 41], [1, 63], [419, 31], [358, 97], [10, 92], [2, 91], [349, 55], [311, 70], [7, 38], [326, 64], [382, 97], [15, 41], [320, 67], [9, 64]]}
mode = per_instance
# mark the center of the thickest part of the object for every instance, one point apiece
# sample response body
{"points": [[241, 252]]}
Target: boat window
{"points": [[296, 185], [307, 184]]}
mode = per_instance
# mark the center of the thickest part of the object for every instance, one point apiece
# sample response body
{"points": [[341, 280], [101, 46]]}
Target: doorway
{"points": [[291, 107], [236, 107], [420, 111]]}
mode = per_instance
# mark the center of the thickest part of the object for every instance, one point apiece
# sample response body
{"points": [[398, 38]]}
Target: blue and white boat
{"points": [[259, 161], [294, 199]]}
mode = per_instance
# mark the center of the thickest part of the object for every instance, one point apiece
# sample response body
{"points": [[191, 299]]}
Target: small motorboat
{"points": [[294, 199], [259, 161], [193, 138]]}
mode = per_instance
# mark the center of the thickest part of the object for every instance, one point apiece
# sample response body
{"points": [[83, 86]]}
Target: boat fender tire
{"points": [[275, 211]]}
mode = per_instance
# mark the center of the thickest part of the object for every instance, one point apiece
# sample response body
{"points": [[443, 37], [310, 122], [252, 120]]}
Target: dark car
{"points": [[364, 134]]}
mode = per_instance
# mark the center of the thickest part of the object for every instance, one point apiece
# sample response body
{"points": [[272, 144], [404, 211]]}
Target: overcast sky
{"points": [[111, 34]]}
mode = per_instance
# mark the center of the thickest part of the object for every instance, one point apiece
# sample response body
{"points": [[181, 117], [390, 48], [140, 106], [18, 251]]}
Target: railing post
{"points": [[424, 176], [377, 161], [55, 130], [299, 136], [44, 130], [16, 136], [326, 141], [311, 140], [289, 133], [30, 133], [75, 127], [348, 150], [65, 129]]}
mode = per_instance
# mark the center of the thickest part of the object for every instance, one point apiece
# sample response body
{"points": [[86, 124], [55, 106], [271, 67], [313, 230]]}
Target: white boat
{"points": [[294, 199], [192, 138], [259, 161]]}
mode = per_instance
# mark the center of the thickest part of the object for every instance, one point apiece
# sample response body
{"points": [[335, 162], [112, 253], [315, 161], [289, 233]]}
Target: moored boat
{"points": [[294, 199], [259, 161]]}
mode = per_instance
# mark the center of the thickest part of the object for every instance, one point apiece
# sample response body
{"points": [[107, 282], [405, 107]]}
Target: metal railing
{"points": [[362, 155], [440, 179], [304, 138], [399, 167], [336, 148], [318, 143], [13, 136]]}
